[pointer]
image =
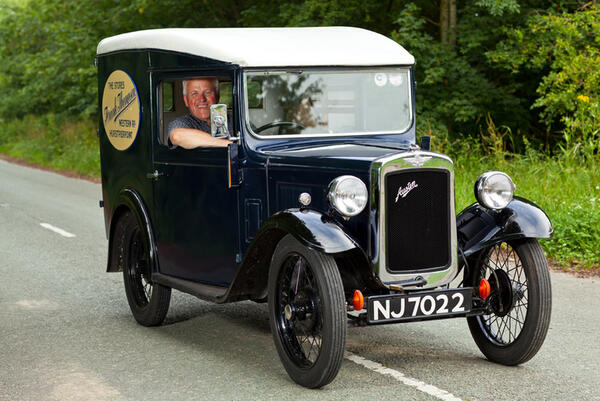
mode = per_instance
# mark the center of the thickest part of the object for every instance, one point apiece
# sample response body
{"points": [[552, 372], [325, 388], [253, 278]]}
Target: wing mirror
{"points": [[218, 121]]}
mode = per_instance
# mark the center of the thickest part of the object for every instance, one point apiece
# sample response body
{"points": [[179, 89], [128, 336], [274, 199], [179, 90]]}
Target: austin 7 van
{"points": [[308, 191]]}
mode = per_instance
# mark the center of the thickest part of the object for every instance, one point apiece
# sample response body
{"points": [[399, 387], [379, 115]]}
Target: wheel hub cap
{"points": [[505, 293], [288, 312], [300, 309]]}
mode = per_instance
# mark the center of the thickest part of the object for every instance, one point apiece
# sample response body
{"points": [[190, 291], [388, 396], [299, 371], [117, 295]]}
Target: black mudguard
{"points": [[479, 227], [311, 228], [130, 200]]}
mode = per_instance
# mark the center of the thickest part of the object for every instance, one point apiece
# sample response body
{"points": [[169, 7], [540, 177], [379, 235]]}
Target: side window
{"points": [[167, 97], [226, 93], [192, 109], [170, 106], [255, 100]]}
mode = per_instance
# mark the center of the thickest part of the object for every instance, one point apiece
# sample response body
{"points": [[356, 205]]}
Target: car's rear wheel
{"points": [[518, 316], [307, 313], [148, 301]]}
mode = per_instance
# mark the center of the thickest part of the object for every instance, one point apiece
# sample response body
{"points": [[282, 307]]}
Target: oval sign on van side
{"points": [[120, 110]]}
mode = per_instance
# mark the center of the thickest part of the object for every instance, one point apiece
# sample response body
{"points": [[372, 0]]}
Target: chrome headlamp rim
{"points": [[333, 195], [480, 188]]}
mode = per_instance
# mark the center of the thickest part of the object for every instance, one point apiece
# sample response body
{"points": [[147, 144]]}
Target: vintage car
{"points": [[316, 197]]}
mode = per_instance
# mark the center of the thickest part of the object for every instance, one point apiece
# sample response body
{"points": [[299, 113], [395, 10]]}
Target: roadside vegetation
{"points": [[55, 142], [512, 85], [566, 186]]}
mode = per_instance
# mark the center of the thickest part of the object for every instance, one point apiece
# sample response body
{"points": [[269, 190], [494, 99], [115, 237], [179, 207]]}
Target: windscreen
{"points": [[306, 103]]}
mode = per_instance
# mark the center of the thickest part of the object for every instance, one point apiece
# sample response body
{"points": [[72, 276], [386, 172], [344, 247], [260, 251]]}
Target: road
{"points": [[66, 332]]}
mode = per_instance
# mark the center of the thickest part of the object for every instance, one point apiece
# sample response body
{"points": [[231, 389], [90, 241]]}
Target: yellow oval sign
{"points": [[120, 110]]}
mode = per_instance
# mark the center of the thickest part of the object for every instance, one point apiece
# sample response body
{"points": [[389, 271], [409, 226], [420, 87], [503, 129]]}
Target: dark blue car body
{"points": [[212, 219]]}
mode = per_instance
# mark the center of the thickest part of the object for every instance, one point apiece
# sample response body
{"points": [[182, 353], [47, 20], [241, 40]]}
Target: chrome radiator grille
{"points": [[417, 219]]}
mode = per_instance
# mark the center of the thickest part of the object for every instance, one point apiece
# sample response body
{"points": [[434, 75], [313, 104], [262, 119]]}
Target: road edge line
{"points": [[401, 377], [57, 230]]}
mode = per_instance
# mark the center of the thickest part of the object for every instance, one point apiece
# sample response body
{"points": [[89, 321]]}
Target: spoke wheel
{"points": [[307, 313], [138, 274], [149, 302], [300, 317], [518, 314]]}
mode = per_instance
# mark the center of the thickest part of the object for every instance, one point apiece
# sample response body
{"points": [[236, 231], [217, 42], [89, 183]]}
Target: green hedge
{"points": [[59, 143]]}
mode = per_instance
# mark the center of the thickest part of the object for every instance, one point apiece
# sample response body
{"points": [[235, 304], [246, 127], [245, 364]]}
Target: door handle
{"points": [[154, 175]]}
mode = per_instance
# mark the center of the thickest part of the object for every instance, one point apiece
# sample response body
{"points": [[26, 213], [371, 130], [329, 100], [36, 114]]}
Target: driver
{"points": [[193, 130]]}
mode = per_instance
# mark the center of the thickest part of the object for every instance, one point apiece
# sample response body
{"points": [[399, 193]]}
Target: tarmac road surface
{"points": [[66, 332]]}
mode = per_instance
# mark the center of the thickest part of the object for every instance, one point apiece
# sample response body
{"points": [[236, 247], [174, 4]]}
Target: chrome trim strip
{"points": [[413, 159]]}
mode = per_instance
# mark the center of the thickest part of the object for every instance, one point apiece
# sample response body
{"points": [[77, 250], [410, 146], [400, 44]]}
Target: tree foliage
{"points": [[523, 64], [566, 49]]}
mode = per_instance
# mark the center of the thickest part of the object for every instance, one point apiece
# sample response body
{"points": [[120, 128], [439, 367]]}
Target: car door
{"points": [[195, 213]]}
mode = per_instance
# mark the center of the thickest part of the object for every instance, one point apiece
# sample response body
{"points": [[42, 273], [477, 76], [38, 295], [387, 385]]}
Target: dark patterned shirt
{"points": [[190, 121], [187, 121]]}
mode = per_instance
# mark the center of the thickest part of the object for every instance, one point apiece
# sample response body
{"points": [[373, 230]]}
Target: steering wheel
{"points": [[279, 124]]}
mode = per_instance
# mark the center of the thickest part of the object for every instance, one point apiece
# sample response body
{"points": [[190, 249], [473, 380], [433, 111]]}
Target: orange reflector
{"points": [[484, 288], [358, 300]]}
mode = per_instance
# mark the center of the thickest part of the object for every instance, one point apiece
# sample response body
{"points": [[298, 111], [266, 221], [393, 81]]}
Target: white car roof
{"points": [[269, 47]]}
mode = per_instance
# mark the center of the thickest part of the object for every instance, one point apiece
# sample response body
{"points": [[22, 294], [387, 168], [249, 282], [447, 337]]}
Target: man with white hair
{"points": [[193, 130]]}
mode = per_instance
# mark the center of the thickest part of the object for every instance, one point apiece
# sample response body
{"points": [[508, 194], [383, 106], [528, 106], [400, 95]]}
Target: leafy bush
{"points": [[582, 132], [453, 94], [565, 48]]}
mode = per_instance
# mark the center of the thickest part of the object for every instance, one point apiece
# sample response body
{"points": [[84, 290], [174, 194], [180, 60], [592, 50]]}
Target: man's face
{"points": [[201, 94]]}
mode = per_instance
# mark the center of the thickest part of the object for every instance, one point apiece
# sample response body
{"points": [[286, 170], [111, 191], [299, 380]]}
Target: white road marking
{"points": [[409, 381], [57, 230], [36, 304]]}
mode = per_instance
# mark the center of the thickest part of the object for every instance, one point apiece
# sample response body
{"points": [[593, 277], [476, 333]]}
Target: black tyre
{"points": [[307, 312], [149, 302], [519, 304]]}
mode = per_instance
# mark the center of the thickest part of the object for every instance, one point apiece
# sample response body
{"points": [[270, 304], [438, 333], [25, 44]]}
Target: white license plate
{"points": [[419, 305]]}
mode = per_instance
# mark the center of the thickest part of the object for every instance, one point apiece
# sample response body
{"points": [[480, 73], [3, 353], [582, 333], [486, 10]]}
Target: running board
{"points": [[206, 292]]}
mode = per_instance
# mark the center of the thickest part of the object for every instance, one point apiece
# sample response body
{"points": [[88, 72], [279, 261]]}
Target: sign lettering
{"points": [[120, 110]]}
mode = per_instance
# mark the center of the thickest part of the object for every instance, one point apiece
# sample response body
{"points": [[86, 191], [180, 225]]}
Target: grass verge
{"points": [[569, 194]]}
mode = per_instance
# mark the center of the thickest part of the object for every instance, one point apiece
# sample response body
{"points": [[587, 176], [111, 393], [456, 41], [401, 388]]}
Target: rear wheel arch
{"points": [[148, 301], [130, 201], [113, 262]]}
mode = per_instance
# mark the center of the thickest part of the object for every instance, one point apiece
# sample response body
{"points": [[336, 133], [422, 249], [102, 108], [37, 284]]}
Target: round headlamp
{"points": [[348, 195], [494, 190]]}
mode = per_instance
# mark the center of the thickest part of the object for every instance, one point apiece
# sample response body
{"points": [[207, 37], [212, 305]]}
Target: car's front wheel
{"points": [[518, 316], [148, 301], [307, 313]]}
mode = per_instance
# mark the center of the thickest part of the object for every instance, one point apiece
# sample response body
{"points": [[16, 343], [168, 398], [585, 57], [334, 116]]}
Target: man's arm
{"points": [[189, 138]]}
